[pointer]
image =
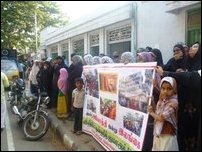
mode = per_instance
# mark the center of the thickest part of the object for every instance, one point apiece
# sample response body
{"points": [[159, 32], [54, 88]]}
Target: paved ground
{"points": [[72, 141]]}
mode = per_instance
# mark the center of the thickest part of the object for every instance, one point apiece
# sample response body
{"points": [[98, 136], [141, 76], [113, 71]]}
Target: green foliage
{"points": [[18, 22]]}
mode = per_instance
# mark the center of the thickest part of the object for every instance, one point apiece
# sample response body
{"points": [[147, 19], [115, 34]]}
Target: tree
{"points": [[18, 22]]}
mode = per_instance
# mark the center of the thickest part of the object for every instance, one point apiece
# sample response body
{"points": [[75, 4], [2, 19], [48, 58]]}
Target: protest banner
{"points": [[115, 106]]}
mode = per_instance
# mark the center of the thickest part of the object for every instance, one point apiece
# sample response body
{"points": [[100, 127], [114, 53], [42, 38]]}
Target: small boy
{"points": [[78, 95]]}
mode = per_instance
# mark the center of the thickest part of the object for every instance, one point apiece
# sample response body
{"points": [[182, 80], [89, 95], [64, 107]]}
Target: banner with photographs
{"points": [[115, 106]]}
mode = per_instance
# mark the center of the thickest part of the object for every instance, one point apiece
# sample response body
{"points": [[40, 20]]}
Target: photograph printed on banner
{"points": [[91, 82], [108, 108], [134, 90], [91, 105], [108, 82], [133, 122]]}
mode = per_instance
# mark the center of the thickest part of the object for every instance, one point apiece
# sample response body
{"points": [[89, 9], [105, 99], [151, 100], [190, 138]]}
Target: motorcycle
{"points": [[32, 116], [16, 95]]}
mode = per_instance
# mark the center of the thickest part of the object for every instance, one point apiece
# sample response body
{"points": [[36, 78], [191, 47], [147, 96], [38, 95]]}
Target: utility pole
{"points": [[35, 19]]}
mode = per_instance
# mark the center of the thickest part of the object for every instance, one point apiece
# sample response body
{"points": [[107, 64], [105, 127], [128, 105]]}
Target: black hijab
{"points": [[194, 63]]}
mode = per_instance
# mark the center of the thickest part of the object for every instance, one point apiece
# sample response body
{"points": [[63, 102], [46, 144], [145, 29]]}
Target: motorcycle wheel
{"points": [[37, 130]]}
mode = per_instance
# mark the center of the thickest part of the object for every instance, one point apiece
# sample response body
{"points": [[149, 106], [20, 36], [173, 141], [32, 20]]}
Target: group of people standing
{"points": [[185, 68], [185, 96], [189, 94], [55, 77]]}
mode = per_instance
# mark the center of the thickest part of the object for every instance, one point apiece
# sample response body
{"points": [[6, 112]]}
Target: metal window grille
{"points": [[54, 49], [65, 47], [94, 40], [78, 47], [121, 33]]}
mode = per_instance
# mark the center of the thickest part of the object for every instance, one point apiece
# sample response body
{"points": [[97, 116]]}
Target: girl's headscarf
{"points": [[62, 81], [96, 60], [127, 57], [160, 107], [106, 59], [171, 81], [88, 59]]}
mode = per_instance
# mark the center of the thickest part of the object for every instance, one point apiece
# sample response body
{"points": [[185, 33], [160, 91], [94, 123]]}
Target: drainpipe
{"points": [[134, 29]]}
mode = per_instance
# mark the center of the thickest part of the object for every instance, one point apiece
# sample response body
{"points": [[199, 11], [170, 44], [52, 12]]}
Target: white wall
{"points": [[158, 28], [87, 25], [155, 27], [45, 32]]}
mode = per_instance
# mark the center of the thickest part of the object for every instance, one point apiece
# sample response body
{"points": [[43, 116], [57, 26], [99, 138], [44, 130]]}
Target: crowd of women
{"points": [[54, 76]]}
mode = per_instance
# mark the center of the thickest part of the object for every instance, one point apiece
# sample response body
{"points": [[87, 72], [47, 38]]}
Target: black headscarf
{"points": [[195, 62], [172, 65], [181, 48], [158, 55]]}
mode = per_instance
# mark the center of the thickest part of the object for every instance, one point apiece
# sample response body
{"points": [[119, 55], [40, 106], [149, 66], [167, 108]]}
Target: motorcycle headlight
{"points": [[47, 100]]}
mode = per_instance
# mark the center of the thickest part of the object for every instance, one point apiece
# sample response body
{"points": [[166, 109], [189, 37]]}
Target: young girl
{"points": [[62, 95], [77, 102], [165, 117]]}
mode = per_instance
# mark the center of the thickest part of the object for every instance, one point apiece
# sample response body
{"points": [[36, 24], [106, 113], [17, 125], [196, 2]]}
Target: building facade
{"points": [[159, 24]]}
